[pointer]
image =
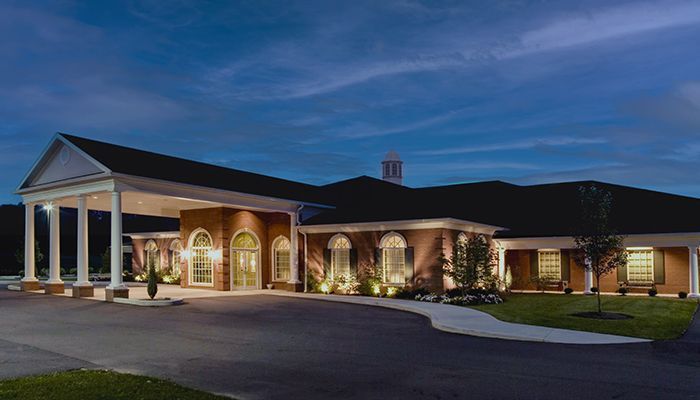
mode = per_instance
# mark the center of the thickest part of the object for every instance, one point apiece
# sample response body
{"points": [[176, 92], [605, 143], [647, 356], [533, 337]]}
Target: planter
{"points": [[270, 286], [157, 302]]}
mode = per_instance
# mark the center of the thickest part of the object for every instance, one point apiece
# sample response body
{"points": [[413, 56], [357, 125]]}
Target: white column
{"points": [[29, 243], [501, 263], [82, 254], [693, 253], [54, 243], [293, 250], [116, 243], [588, 278]]}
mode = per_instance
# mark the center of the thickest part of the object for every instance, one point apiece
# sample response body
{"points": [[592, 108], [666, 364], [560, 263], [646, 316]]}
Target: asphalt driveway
{"points": [[270, 347]]}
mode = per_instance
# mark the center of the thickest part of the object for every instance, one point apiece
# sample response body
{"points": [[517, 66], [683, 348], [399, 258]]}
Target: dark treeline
{"points": [[12, 234]]}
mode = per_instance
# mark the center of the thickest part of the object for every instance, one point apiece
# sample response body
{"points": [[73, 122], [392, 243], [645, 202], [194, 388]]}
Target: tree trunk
{"points": [[597, 283]]}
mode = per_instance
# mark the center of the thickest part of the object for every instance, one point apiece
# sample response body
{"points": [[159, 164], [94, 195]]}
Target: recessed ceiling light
{"points": [[95, 197], [139, 202]]}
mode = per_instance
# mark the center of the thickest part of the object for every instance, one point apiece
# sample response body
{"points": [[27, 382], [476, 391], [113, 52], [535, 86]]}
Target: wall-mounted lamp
{"points": [[48, 207]]}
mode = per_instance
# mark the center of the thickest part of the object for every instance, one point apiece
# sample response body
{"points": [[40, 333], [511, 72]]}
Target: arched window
{"points": [[280, 259], [201, 261], [152, 256], [393, 247], [339, 246], [462, 238], [175, 257], [245, 250]]}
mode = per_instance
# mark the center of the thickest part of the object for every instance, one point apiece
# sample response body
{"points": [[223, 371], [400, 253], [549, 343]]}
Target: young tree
{"points": [[600, 249], [38, 255], [106, 261], [152, 288], [471, 264]]}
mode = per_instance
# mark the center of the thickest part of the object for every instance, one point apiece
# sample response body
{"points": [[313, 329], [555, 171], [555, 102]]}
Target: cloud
{"points": [[514, 145], [607, 24]]}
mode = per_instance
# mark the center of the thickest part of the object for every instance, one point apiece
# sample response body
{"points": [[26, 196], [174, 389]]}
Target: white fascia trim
{"points": [[680, 239], [154, 235], [58, 137], [444, 223], [207, 194], [63, 191]]}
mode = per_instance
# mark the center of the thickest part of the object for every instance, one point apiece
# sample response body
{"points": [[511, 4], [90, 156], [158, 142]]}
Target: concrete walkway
{"points": [[467, 321], [447, 318]]}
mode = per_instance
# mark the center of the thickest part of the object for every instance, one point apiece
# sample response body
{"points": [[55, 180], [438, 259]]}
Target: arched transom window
{"points": [[201, 262], [339, 246], [175, 257], [280, 259], [462, 238], [393, 247], [152, 257]]}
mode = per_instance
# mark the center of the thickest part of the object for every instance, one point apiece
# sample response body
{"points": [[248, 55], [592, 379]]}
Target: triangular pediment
{"points": [[61, 161]]}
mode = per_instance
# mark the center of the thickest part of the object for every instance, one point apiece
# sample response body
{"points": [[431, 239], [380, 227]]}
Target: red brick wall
{"points": [[428, 245], [137, 256], [222, 224], [675, 266]]}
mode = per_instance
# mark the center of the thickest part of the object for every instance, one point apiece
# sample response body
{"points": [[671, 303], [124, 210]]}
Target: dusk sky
{"points": [[526, 92]]}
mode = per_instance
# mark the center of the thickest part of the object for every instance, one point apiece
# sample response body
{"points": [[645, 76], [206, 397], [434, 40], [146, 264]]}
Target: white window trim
{"points": [[189, 259], [382, 246], [539, 262], [653, 262], [273, 258], [332, 248]]}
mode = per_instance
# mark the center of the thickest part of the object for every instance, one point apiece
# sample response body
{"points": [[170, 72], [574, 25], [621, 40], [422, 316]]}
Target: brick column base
{"points": [[83, 291], [54, 288], [30, 285], [111, 293]]}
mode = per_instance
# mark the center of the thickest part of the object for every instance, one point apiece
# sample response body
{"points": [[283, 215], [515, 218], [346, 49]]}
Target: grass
{"points": [[91, 384], [654, 317]]}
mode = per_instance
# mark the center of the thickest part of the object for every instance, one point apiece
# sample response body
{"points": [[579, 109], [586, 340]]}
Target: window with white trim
{"points": [[549, 262], [640, 266], [394, 259], [175, 257], [340, 256], [280, 258], [152, 256], [201, 261]]}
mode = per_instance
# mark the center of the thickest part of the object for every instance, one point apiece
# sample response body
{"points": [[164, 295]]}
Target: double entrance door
{"points": [[245, 265]]}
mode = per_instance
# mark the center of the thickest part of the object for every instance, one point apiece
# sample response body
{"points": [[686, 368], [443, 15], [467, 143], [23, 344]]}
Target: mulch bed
{"points": [[603, 315]]}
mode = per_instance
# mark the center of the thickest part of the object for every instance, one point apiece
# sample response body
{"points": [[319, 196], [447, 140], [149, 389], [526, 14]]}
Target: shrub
{"points": [[73, 271], [409, 293], [652, 292], [568, 290], [682, 294], [152, 281], [369, 278], [594, 289], [345, 284], [623, 291], [466, 300], [171, 279]]}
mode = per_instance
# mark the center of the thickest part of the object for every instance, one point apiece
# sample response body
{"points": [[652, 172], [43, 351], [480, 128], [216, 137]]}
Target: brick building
{"points": [[241, 230]]}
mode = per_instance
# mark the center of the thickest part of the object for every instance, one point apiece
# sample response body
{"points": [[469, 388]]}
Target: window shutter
{"points": [[659, 268], [409, 265], [326, 263], [353, 261], [565, 266], [622, 273], [378, 258], [534, 264]]}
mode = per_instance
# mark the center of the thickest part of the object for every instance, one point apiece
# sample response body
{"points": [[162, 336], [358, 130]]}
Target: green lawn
{"points": [[654, 317], [104, 385]]}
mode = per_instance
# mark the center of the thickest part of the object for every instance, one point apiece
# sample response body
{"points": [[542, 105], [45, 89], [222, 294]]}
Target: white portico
{"points": [[86, 175]]}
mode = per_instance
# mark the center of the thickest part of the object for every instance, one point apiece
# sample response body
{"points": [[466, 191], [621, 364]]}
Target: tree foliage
{"points": [[600, 249], [38, 255], [471, 264], [152, 288]]}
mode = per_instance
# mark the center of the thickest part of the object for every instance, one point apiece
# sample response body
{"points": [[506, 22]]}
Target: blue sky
{"points": [[526, 92]]}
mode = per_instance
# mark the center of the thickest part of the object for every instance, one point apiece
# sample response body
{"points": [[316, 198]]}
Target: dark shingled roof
{"points": [[146, 164], [526, 211]]}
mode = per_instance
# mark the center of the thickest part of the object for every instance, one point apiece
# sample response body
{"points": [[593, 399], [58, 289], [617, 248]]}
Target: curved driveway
{"points": [[282, 348]]}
